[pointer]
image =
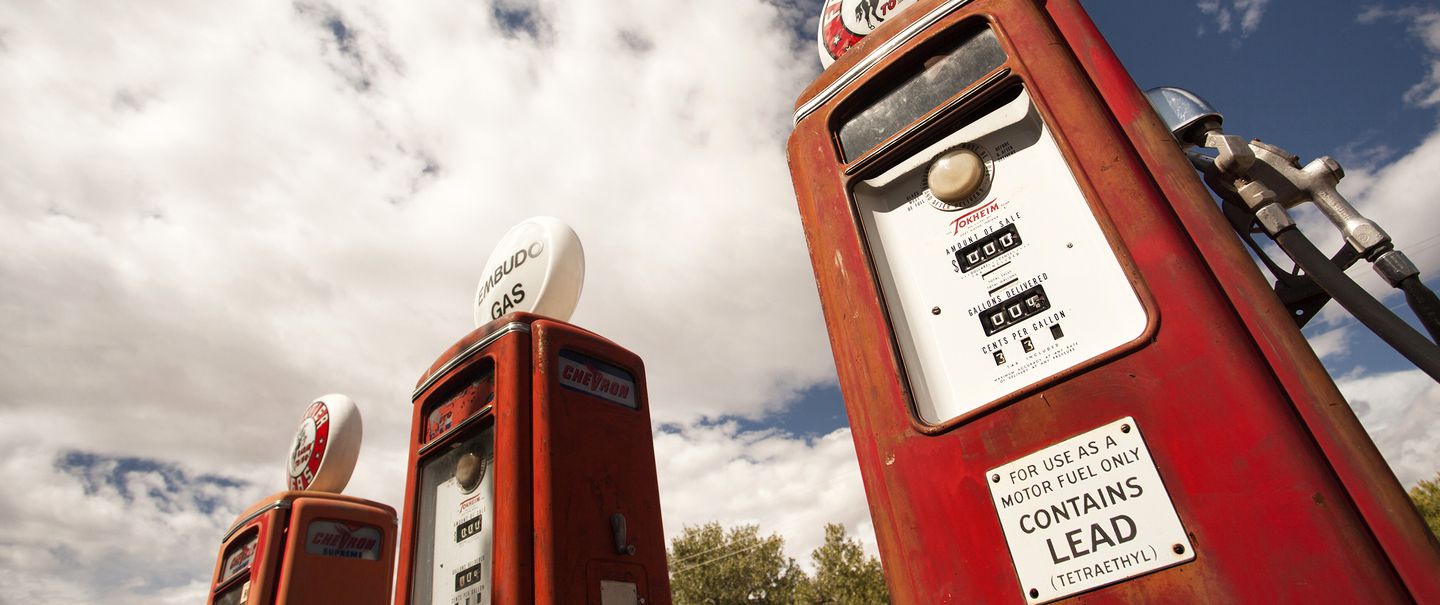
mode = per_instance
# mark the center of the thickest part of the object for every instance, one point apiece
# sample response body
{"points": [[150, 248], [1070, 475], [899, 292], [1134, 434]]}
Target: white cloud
{"points": [[1424, 24], [1230, 14], [82, 528], [213, 214], [1398, 410], [1331, 343], [784, 484]]}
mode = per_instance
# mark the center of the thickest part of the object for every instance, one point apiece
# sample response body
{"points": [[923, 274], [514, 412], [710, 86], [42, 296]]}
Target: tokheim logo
{"points": [[309, 449]]}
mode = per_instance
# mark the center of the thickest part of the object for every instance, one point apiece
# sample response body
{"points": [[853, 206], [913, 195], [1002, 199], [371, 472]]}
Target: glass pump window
{"points": [[455, 529], [923, 87], [239, 557]]}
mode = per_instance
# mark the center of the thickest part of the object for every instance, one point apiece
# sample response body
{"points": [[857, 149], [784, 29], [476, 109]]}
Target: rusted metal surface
{"points": [[1225, 389], [1380, 498], [593, 459], [565, 462], [512, 569], [283, 572]]}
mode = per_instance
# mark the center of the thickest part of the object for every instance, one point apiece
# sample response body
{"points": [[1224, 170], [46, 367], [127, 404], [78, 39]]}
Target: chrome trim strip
{"points": [[467, 354], [252, 516], [481, 413], [877, 56]]}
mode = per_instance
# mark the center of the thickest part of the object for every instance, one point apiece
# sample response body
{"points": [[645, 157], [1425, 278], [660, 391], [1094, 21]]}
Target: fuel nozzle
{"points": [[1260, 182]]}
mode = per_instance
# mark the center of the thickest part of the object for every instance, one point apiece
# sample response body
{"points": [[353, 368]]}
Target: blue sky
{"points": [[211, 214]]}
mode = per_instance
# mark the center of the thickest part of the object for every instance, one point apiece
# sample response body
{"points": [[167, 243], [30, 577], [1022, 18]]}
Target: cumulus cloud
{"points": [[1331, 344], [213, 214], [1424, 24], [786, 485], [1398, 410], [87, 528], [1232, 15]]}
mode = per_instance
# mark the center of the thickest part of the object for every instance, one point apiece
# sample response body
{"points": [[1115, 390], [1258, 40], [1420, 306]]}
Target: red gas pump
{"points": [[1062, 373], [532, 470], [310, 544]]}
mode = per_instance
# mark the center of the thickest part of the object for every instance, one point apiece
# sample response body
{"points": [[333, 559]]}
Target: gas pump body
{"points": [[1086, 292], [560, 422], [307, 547]]}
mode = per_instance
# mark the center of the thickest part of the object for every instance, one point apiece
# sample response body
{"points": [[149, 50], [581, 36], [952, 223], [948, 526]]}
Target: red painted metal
{"points": [[284, 572], [565, 461], [592, 459], [509, 355], [1281, 492]]}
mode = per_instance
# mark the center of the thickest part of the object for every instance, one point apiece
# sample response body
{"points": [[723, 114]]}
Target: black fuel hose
{"points": [[1389, 327], [1423, 302]]}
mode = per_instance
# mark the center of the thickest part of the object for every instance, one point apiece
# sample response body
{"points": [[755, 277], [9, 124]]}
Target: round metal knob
{"points": [[956, 175]]}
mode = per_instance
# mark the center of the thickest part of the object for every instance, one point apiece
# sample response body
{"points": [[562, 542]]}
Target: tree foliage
{"points": [[1426, 495], [710, 565], [843, 574]]}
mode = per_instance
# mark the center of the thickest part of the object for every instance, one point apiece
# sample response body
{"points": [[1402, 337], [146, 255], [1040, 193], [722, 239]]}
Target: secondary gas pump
{"points": [[532, 467], [311, 544], [1063, 374]]}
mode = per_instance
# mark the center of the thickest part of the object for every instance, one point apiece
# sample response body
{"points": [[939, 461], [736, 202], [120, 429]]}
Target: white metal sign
{"points": [[1086, 512], [344, 539], [1013, 285], [597, 378]]}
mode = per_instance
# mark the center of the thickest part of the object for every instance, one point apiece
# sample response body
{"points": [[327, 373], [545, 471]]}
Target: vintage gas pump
{"points": [[532, 470], [1062, 372], [311, 544]]}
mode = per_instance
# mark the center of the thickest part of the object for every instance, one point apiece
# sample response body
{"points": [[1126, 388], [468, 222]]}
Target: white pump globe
{"points": [[538, 267], [326, 446]]}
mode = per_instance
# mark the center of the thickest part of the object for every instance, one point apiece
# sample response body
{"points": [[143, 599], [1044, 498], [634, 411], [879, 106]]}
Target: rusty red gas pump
{"points": [[1063, 374], [532, 469], [311, 544]]}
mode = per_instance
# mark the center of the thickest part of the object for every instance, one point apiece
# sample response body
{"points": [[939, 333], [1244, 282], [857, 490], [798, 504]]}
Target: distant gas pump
{"points": [[532, 469], [1063, 374], [310, 544]]}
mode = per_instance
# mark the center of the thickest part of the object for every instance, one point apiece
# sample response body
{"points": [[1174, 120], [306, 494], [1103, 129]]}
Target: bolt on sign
{"points": [[1086, 512]]}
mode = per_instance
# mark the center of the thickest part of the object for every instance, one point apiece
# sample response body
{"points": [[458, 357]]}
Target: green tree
{"points": [[709, 565], [843, 574], [1426, 495]]}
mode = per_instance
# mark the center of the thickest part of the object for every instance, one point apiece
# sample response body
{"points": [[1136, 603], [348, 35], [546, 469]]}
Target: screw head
{"points": [[1124, 428], [935, 311], [1034, 594], [1179, 549], [995, 478]]}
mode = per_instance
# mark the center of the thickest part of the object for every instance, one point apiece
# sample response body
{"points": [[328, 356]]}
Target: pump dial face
{"points": [[1010, 283], [455, 524]]}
